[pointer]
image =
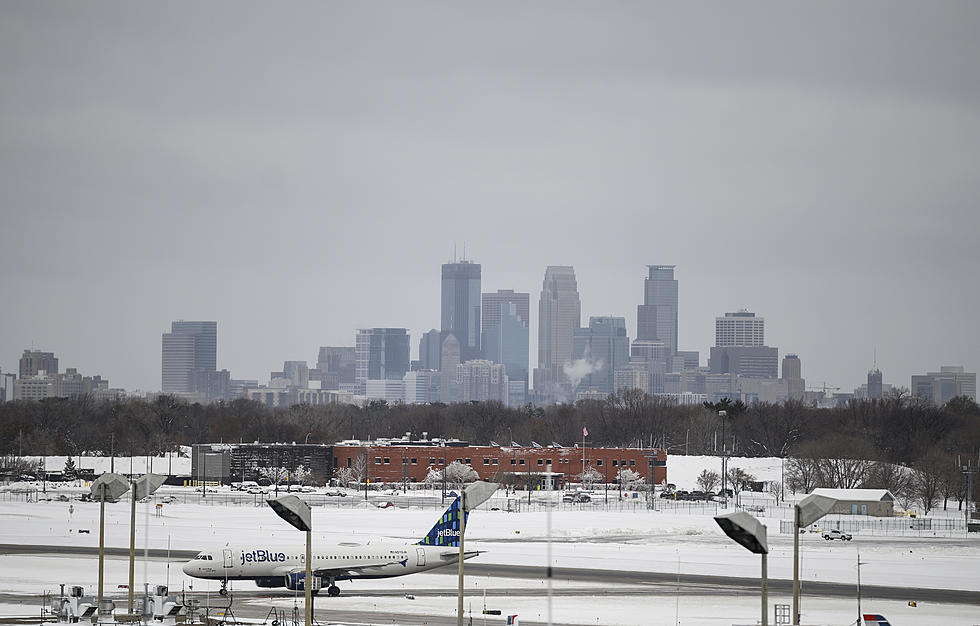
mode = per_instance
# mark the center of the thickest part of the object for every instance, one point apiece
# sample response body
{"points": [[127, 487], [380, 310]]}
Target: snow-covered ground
{"points": [[641, 540]]}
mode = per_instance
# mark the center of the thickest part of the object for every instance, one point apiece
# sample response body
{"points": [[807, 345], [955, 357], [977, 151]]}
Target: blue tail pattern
{"points": [[446, 530]]}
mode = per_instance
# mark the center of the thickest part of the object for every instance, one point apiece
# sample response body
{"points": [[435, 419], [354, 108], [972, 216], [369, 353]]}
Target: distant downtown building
{"points": [[559, 314], [430, 350], [382, 354], [600, 349], [506, 340], [461, 306], [942, 386], [188, 347], [33, 362], [741, 328], [656, 318], [337, 366], [740, 347]]}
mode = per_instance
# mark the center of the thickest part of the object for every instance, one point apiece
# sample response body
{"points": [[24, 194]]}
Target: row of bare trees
{"points": [[899, 429]]}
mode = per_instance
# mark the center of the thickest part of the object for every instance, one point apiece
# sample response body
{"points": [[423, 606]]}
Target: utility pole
{"points": [[969, 470], [724, 458]]}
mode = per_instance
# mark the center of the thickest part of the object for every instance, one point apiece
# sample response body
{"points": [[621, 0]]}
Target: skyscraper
{"points": [[337, 365], [430, 350], [461, 306], [559, 314], [875, 387], [494, 303], [506, 342], [189, 346], [447, 374], [942, 386], [598, 351], [741, 328], [382, 354], [656, 318], [34, 361]]}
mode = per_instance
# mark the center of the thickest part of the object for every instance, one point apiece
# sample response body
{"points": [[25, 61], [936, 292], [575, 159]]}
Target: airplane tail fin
{"points": [[446, 530], [875, 620]]}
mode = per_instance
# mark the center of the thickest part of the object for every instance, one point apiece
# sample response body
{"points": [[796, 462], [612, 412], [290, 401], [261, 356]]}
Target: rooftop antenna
{"points": [[464, 250], [454, 252], [876, 358]]}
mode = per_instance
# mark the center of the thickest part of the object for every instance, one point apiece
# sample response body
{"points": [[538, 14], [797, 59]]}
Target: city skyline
{"points": [[320, 184]]}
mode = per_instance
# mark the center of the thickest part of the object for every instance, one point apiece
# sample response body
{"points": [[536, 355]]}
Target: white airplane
{"points": [[286, 567]]}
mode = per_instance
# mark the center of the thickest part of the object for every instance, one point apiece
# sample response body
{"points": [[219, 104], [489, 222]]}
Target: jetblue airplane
{"points": [[286, 567]]}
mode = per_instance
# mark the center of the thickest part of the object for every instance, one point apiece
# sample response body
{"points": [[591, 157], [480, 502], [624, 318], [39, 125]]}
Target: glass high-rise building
{"points": [[382, 354], [461, 306], [187, 350], [559, 314], [597, 352], [656, 318]]}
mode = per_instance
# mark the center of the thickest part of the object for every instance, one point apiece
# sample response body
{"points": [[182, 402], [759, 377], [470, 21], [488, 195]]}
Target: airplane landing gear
{"points": [[224, 588], [333, 591]]}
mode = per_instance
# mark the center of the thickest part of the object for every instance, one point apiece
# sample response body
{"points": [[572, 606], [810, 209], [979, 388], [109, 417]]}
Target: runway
{"points": [[631, 582]]}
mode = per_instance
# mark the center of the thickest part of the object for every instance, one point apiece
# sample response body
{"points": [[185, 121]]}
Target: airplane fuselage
{"points": [[369, 560]]}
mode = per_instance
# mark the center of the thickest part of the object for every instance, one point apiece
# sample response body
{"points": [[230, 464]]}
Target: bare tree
{"points": [[802, 474], [344, 476], [708, 480], [738, 480], [627, 478]]}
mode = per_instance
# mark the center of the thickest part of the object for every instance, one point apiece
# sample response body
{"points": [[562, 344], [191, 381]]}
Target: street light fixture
{"points": [[805, 512], [298, 514], [109, 486], [749, 532]]}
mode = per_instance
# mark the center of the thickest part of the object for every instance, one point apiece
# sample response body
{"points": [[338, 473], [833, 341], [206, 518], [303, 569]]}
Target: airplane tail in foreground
{"points": [[446, 530], [871, 619]]}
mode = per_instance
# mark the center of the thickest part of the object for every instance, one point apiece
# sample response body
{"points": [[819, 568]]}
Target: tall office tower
{"points": [[461, 306], [559, 314], [942, 386], [652, 356], [7, 387], [187, 347], [337, 365], [740, 347], [793, 375], [480, 380], [597, 352], [447, 374], [34, 361], [875, 391], [382, 354], [656, 318], [297, 373], [430, 350], [506, 341], [495, 303], [742, 328]]}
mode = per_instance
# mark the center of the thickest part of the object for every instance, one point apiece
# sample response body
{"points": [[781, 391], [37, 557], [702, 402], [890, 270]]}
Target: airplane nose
{"points": [[187, 568]]}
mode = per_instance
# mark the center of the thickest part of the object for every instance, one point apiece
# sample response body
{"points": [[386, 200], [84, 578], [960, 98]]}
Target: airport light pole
{"points": [[141, 488], [469, 498], [805, 512], [298, 514], [109, 486], [749, 532]]}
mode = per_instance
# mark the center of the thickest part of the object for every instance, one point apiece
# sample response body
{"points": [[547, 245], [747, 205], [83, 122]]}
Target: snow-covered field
{"points": [[623, 536], [620, 540]]}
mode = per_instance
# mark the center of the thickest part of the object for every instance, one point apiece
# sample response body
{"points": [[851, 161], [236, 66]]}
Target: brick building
{"points": [[395, 461]]}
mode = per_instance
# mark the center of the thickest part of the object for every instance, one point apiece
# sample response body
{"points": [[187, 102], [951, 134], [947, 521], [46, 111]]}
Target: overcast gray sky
{"points": [[298, 170]]}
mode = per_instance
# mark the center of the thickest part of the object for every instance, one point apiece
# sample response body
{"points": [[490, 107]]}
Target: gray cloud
{"points": [[299, 171]]}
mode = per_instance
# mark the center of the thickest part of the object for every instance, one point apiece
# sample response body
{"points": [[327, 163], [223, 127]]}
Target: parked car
{"points": [[386, 505], [830, 535], [335, 492], [576, 497]]}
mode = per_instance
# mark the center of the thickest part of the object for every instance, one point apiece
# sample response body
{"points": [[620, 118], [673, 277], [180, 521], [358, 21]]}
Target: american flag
{"points": [[585, 431]]}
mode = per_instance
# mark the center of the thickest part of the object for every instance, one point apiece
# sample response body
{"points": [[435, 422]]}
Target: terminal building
{"points": [[406, 460]]}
